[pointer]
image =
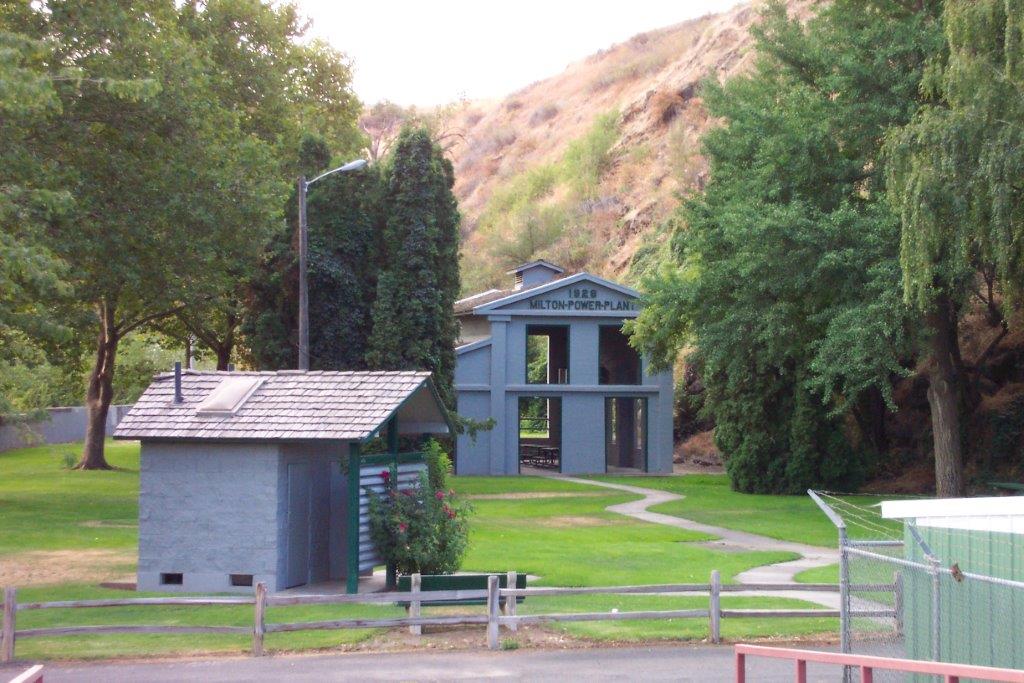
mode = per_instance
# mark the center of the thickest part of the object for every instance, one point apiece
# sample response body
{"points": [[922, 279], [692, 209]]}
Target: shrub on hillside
{"points": [[543, 113]]}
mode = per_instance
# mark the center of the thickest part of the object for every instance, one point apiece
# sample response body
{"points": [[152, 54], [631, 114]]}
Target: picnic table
{"points": [[540, 455]]}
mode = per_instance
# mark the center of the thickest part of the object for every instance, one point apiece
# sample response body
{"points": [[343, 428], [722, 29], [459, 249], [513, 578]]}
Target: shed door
{"points": [[298, 525]]}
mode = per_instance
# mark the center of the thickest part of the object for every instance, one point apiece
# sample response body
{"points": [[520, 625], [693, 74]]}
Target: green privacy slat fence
{"points": [[978, 622]]}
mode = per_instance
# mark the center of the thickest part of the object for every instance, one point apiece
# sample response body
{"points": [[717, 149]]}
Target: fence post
{"points": [[897, 601], [492, 612], [10, 612], [844, 602], [510, 600], [936, 621], [259, 621], [414, 603], [715, 608]]}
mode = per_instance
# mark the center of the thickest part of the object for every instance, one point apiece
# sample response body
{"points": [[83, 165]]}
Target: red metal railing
{"points": [[951, 673]]}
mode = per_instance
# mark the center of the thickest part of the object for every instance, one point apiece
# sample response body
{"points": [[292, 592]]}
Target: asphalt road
{"points": [[695, 663]]}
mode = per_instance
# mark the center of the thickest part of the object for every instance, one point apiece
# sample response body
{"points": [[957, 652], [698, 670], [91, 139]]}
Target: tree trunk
{"points": [[100, 393], [869, 412], [223, 357], [944, 398], [225, 348]]}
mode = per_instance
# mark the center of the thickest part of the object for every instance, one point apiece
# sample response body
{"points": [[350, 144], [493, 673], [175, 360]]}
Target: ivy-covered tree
{"points": [[270, 325], [413, 321], [784, 275], [344, 222], [343, 266], [955, 179]]}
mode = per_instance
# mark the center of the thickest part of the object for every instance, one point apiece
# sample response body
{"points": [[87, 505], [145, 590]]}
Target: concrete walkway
{"points": [[731, 540]]}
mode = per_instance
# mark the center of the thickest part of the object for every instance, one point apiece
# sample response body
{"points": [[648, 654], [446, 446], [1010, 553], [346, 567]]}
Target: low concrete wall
{"points": [[64, 426]]}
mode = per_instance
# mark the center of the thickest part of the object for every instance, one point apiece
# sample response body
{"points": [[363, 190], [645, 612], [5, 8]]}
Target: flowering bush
{"points": [[422, 528]]}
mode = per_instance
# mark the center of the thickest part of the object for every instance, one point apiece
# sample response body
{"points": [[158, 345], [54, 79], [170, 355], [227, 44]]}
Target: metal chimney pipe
{"points": [[178, 398]]}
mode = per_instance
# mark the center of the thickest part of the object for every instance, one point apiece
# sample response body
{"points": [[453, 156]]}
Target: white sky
{"points": [[437, 51]]}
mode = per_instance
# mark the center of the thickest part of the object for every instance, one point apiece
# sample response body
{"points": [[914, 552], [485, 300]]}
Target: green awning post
{"points": [[352, 552], [391, 580]]}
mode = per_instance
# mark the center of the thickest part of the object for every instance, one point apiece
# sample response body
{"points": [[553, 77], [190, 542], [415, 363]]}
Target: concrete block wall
{"points": [[65, 425], [208, 510]]}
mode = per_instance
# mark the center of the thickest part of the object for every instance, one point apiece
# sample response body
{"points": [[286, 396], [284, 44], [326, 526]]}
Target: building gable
{"points": [[582, 294]]}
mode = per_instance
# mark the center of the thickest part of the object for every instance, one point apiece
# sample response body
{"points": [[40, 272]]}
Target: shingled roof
{"points": [[289, 405], [467, 304]]}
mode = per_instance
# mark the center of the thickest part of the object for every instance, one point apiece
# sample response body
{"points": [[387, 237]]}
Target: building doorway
{"points": [[625, 431], [297, 565], [540, 434]]}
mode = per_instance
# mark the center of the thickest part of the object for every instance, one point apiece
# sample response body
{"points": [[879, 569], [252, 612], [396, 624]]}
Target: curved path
{"points": [[731, 540]]}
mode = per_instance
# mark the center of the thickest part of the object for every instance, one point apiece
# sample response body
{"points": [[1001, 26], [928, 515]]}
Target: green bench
{"points": [[458, 582]]}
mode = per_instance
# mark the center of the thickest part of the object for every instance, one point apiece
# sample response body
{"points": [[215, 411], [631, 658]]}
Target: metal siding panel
{"points": [[369, 478]]}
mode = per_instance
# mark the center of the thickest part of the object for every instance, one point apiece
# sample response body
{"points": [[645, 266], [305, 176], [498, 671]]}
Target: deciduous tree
{"points": [[156, 173], [784, 274], [281, 88]]}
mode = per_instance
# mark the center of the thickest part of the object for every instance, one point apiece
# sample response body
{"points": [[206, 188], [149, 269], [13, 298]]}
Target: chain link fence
{"points": [[940, 594]]}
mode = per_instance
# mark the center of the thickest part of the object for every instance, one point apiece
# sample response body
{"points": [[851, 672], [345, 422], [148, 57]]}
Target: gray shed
{"points": [[243, 474]]}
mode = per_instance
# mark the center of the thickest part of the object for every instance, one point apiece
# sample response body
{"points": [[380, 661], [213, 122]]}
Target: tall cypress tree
{"points": [[413, 321]]}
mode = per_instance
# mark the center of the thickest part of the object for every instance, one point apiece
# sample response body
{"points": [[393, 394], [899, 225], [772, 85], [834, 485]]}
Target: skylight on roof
{"points": [[229, 395]]}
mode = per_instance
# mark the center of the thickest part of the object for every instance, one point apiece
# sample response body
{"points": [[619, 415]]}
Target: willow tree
{"points": [[955, 178]]}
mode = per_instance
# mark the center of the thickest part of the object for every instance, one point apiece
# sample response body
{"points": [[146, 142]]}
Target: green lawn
{"points": [[671, 629], [554, 530], [827, 574], [135, 645], [709, 499], [537, 535], [47, 507]]}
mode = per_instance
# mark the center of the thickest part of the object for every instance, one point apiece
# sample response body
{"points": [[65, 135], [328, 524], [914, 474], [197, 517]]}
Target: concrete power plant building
{"points": [[548, 362]]}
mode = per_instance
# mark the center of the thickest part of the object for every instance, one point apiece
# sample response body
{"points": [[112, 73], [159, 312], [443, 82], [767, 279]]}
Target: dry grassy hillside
{"points": [[579, 167]]}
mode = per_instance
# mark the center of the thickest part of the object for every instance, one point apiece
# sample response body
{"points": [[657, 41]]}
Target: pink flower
{"points": [[403, 527], [386, 476], [439, 495]]}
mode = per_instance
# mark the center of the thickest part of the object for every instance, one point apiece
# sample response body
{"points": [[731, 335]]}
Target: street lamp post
{"points": [[303, 257]]}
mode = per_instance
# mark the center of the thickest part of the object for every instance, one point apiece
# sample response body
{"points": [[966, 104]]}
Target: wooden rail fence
{"points": [[501, 609]]}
